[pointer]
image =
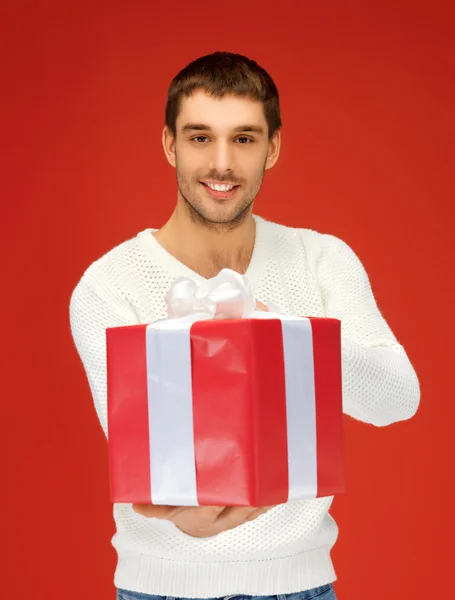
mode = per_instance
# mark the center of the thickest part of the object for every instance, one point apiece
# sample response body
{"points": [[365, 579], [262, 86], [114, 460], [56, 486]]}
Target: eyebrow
{"points": [[241, 128]]}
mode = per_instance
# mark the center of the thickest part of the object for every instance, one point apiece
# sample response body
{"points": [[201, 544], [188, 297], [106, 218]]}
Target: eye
{"points": [[200, 139]]}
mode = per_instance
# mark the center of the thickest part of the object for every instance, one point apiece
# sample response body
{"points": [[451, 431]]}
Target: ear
{"points": [[274, 150], [168, 141]]}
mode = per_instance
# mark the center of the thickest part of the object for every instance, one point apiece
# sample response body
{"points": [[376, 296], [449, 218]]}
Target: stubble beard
{"points": [[197, 213]]}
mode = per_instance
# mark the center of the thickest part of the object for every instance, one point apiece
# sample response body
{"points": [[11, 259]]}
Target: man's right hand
{"points": [[202, 521]]}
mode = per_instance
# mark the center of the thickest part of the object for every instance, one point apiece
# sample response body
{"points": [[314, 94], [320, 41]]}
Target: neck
{"points": [[207, 248]]}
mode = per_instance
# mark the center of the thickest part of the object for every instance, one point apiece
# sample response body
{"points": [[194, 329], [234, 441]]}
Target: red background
{"points": [[367, 96]]}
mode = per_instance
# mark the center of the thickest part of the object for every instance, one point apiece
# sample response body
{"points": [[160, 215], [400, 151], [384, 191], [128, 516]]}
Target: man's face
{"points": [[220, 141]]}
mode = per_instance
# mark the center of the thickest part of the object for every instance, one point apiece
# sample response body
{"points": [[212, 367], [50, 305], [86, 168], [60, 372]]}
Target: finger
{"points": [[157, 511], [233, 516], [148, 510], [215, 509], [209, 512], [256, 513], [197, 517]]}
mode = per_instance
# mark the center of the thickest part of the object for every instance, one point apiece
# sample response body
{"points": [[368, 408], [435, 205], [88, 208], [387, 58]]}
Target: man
{"points": [[222, 132]]}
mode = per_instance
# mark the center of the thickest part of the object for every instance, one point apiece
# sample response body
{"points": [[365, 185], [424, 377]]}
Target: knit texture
{"points": [[305, 273]]}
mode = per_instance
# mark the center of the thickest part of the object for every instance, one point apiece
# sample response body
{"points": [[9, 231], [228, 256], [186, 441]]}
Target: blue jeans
{"points": [[324, 592]]}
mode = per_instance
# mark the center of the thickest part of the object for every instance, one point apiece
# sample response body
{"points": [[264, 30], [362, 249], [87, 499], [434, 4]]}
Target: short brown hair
{"points": [[223, 73]]}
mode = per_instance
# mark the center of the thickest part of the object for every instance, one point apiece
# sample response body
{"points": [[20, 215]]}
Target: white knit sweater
{"points": [[305, 273]]}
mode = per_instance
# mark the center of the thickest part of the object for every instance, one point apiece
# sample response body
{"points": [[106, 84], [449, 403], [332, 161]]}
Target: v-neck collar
{"points": [[258, 258]]}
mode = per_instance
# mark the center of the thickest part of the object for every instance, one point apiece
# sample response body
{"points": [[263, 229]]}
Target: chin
{"points": [[211, 211], [221, 217]]}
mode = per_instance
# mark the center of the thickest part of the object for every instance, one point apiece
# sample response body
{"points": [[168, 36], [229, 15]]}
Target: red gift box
{"points": [[235, 412]]}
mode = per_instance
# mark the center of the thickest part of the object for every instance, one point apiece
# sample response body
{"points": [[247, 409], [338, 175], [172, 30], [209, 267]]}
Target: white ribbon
{"points": [[226, 296]]}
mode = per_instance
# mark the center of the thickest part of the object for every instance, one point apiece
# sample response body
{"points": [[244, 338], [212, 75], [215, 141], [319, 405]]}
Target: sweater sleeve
{"points": [[94, 306], [380, 385]]}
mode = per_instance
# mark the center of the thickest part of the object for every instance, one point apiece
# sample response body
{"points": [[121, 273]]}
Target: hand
{"points": [[261, 306], [202, 521]]}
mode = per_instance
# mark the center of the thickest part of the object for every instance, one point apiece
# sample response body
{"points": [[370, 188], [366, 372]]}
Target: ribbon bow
{"points": [[228, 295]]}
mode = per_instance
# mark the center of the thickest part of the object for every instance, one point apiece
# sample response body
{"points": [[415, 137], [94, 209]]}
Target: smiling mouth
{"points": [[227, 190], [220, 187]]}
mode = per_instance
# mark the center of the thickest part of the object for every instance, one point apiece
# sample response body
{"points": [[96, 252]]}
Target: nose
{"points": [[221, 158]]}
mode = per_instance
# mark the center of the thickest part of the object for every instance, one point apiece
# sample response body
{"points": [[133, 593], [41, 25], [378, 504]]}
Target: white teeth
{"points": [[220, 188]]}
